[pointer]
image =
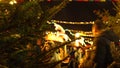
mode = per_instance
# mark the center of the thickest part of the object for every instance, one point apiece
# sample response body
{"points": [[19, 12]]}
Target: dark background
{"points": [[83, 11]]}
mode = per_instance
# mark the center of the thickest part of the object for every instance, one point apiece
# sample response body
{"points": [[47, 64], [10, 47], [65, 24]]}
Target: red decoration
{"points": [[49, 0], [20, 1]]}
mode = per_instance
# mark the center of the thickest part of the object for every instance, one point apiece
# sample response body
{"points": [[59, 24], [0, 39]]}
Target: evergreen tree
{"points": [[112, 21], [22, 23]]}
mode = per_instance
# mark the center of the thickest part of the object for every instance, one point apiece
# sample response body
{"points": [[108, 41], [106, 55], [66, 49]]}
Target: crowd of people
{"points": [[99, 56]]}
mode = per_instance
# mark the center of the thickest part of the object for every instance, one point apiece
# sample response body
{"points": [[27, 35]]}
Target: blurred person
{"points": [[102, 38]]}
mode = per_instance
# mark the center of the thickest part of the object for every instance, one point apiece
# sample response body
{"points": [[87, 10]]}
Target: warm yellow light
{"points": [[13, 2], [77, 43], [102, 0], [80, 42], [77, 35], [53, 37]]}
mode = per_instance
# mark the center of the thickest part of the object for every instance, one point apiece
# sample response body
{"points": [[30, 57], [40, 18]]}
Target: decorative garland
{"points": [[66, 22]]}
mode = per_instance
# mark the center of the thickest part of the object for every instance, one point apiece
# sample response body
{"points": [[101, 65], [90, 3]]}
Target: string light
{"points": [[66, 22], [87, 33]]}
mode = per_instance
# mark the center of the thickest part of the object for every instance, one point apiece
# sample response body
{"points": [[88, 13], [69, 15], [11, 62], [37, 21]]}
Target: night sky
{"points": [[83, 11]]}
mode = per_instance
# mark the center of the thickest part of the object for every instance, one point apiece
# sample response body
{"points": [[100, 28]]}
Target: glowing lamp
{"points": [[77, 35], [12, 2]]}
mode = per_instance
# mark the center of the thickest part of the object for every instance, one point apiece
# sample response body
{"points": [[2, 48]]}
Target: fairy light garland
{"points": [[72, 32], [66, 22]]}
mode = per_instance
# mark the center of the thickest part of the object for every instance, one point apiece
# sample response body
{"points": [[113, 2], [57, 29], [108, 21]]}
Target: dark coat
{"points": [[103, 56]]}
